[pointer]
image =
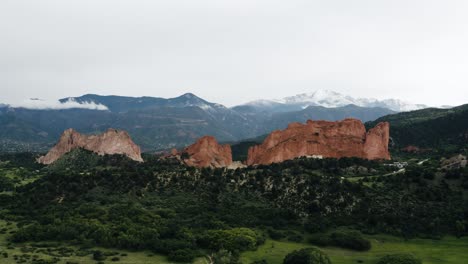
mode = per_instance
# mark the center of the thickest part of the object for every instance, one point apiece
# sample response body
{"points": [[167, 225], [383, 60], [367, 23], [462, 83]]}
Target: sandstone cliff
{"points": [[207, 152], [346, 138], [110, 142]]}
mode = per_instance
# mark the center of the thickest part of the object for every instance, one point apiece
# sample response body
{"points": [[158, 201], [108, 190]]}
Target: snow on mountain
{"points": [[332, 99], [324, 98]]}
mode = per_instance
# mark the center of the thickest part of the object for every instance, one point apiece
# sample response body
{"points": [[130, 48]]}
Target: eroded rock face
{"points": [[110, 142], [455, 162], [346, 138], [207, 152], [376, 142]]}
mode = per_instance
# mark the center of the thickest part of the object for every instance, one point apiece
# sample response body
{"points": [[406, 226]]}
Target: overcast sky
{"points": [[235, 51]]}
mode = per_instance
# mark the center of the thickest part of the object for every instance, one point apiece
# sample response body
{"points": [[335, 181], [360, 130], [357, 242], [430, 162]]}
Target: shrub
{"points": [[344, 239], [276, 234], [351, 240], [399, 259], [236, 239], [322, 240], [182, 255], [263, 261], [224, 257], [317, 224], [307, 256], [98, 255], [295, 238]]}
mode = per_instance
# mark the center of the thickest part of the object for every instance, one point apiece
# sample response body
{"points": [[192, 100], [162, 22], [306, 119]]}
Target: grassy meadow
{"points": [[449, 250]]}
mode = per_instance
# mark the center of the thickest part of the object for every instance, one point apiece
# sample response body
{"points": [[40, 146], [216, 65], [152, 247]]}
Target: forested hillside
{"points": [[185, 212], [442, 129]]}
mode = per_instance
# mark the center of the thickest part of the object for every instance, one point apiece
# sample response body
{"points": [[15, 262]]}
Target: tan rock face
{"points": [[207, 152], [346, 138], [111, 142], [376, 143]]}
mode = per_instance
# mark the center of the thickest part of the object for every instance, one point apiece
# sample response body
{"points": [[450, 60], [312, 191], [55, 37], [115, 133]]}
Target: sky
{"points": [[232, 52]]}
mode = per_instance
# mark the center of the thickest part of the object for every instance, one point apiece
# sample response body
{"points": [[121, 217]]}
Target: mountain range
{"points": [[159, 123], [329, 99]]}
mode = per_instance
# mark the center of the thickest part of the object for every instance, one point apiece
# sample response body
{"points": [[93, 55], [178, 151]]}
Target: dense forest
{"points": [[438, 129], [183, 212]]}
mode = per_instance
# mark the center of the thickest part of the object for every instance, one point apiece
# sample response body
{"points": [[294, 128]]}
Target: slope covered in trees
{"points": [[443, 129], [185, 212]]}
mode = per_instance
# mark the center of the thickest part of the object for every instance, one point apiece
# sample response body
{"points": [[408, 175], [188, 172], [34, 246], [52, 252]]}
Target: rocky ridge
{"points": [[346, 138], [110, 142], [207, 152]]}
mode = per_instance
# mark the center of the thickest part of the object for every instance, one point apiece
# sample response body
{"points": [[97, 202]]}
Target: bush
{"points": [[263, 261], [350, 240], [236, 239], [224, 257], [307, 256], [276, 234], [181, 255], [317, 224], [322, 240], [295, 238], [98, 255], [399, 259], [344, 239]]}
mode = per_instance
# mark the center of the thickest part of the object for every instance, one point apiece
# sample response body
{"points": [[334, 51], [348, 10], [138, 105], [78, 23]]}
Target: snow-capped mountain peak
{"points": [[332, 99], [320, 97]]}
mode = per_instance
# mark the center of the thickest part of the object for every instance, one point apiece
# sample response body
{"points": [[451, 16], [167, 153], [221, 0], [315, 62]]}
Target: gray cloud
{"points": [[235, 51], [36, 103]]}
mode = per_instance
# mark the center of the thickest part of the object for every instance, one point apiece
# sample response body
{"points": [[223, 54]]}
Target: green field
{"points": [[448, 250], [73, 254]]}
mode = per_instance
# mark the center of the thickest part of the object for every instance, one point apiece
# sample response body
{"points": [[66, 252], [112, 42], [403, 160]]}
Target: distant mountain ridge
{"points": [[124, 103], [159, 123], [329, 99]]}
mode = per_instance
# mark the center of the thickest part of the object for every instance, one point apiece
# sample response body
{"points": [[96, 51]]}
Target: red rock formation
{"points": [[346, 138], [411, 149], [376, 143], [174, 152], [206, 152], [110, 142], [415, 149]]}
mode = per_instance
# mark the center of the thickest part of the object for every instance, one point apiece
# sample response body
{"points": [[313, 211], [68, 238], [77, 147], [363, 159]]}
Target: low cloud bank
{"points": [[38, 104]]}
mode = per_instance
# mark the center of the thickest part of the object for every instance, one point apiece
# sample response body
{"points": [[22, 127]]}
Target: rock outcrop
{"points": [[455, 162], [110, 142], [411, 149], [207, 152], [346, 138]]}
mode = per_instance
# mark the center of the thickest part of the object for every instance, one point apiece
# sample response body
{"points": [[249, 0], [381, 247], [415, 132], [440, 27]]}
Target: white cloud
{"points": [[39, 104]]}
